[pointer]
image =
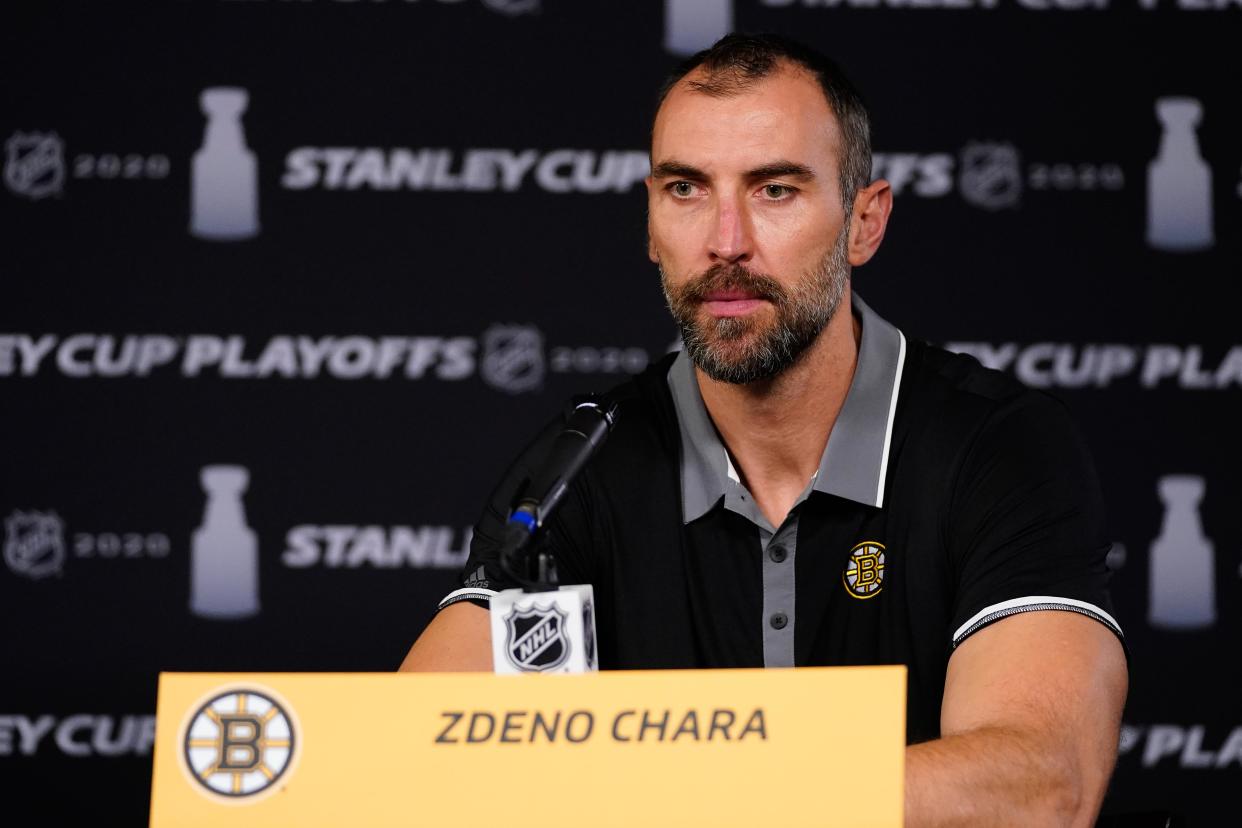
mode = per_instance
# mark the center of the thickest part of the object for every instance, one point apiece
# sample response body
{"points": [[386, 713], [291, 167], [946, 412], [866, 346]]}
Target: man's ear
{"points": [[872, 206]]}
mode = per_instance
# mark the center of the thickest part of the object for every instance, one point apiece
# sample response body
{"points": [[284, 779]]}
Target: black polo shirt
{"points": [[949, 496]]}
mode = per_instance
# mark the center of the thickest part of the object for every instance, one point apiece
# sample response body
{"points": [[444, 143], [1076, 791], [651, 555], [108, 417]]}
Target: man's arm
{"points": [[458, 639], [1029, 726]]}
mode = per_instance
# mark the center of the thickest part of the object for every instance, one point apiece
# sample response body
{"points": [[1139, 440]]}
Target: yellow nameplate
{"points": [[812, 746]]}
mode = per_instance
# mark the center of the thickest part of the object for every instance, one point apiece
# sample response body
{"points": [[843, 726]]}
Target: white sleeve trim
{"points": [[465, 594], [1030, 603]]}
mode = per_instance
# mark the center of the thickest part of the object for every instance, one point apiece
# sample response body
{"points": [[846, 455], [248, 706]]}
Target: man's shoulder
{"points": [[951, 399], [955, 374], [646, 420], [939, 376]]}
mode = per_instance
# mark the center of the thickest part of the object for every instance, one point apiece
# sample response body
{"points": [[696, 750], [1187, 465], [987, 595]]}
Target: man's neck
{"points": [[776, 429]]}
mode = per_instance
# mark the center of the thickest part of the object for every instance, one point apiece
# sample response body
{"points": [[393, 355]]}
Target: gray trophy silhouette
{"points": [[1179, 182], [224, 187], [691, 25], [224, 556], [1183, 576]]}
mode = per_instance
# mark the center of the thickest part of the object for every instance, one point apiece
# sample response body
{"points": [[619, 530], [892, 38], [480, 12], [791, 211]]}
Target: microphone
{"points": [[584, 432]]}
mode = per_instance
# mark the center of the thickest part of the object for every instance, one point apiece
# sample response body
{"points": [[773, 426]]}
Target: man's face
{"points": [[745, 222]]}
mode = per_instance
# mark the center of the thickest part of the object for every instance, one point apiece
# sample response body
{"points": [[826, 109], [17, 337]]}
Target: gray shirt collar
{"points": [[855, 460]]}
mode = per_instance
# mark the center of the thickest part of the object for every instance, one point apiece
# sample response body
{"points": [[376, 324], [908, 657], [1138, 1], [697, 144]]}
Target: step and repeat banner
{"points": [[285, 283]]}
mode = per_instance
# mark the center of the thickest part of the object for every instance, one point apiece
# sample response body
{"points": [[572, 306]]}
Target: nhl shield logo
{"points": [[588, 626], [991, 175], [536, 640], [34, 544], [35, 164], [513, 358]]}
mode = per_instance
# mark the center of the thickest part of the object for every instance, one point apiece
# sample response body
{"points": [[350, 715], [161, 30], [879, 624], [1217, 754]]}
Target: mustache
{"points": [[723, 277]]}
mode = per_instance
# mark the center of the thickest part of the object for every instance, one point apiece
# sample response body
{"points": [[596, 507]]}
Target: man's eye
{"points": [[683, 189], [776, 192]]}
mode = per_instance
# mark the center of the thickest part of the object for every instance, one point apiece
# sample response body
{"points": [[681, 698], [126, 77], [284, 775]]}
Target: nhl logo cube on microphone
{"points": [[544, 632]]}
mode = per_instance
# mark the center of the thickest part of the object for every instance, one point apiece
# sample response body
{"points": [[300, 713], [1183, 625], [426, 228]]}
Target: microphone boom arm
{"points": [[585, 429]]}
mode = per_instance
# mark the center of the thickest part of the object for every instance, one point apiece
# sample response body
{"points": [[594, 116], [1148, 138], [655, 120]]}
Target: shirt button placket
{"points": [[777, 554], [778, 595]]}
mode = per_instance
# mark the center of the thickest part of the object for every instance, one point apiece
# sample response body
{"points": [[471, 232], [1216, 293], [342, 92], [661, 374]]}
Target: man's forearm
{"points": [[995, 776]]}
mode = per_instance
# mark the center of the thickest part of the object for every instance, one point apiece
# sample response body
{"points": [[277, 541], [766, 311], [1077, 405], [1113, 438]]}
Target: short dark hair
{"points": [[737, 61]]}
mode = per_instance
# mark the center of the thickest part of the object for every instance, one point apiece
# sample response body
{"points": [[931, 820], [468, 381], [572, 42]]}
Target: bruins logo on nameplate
{"points": [[536, 638], [238, 744], [864, 572]]}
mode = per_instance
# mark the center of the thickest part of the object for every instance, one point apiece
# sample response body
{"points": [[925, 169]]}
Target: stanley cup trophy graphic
{"points": [[1183, 576], [1179, 182], [224, 556], [691, 25], [224, 190]]}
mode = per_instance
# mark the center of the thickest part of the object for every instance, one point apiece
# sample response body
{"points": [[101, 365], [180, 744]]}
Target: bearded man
{"points": [[803, 485]]}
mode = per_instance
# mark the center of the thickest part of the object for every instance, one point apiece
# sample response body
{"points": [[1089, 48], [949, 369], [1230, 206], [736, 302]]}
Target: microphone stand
{"points": [[541, 626]]}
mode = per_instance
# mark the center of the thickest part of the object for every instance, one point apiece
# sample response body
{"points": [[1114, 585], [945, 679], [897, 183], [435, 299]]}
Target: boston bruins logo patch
{"points": [[238, 744], [864, 572]]}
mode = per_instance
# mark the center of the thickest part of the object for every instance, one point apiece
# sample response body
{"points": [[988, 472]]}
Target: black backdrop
{"points": [[403, 316]]}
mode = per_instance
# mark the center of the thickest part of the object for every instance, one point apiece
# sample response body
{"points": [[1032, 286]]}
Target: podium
{"points": [[807, 746]]}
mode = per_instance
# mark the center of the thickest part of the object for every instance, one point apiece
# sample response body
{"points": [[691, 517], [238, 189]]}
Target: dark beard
{"points": [[741, 350]]}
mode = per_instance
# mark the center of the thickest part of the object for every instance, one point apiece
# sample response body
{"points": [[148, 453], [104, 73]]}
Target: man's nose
{"points": [[731, 239]]}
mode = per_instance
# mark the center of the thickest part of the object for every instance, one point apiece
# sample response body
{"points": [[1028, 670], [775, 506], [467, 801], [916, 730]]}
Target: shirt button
{"points": [[778, 620], [777, 553]]}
